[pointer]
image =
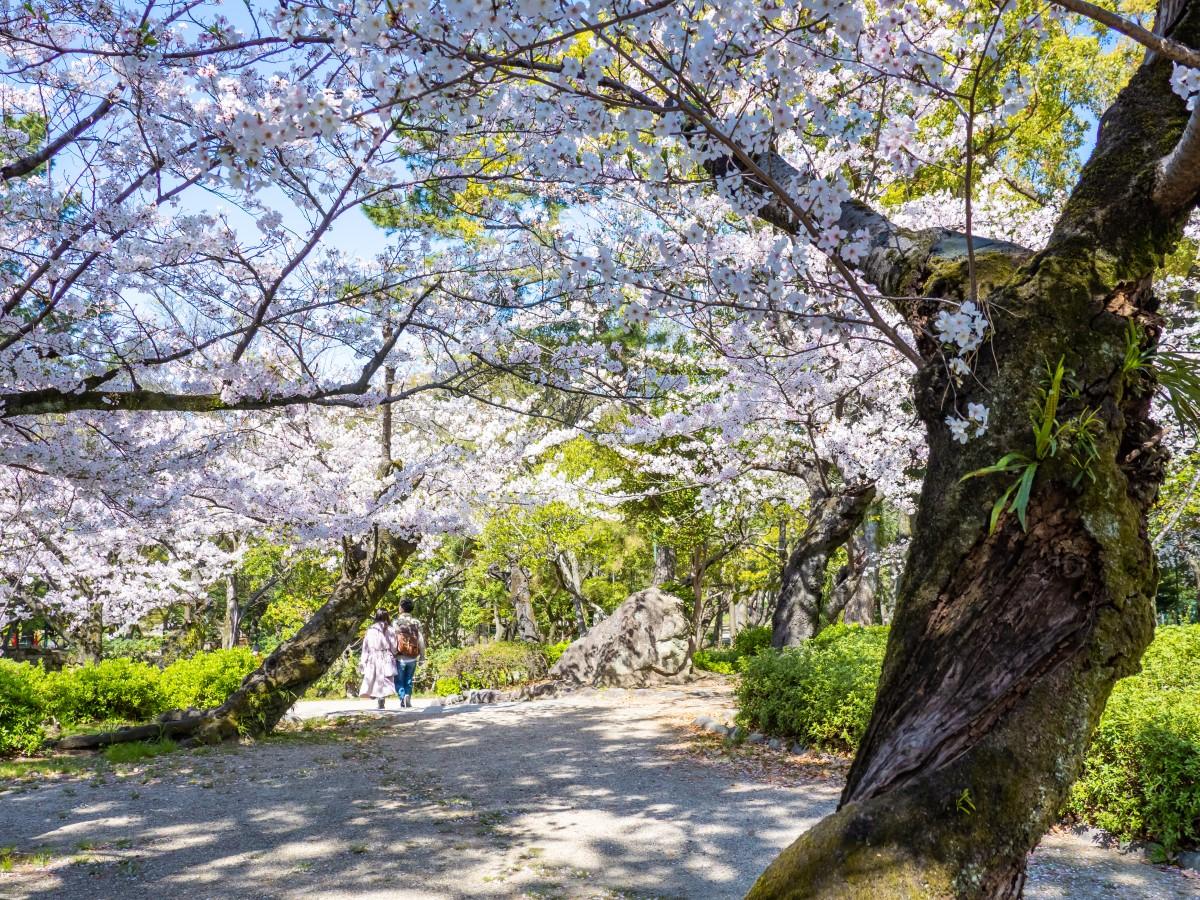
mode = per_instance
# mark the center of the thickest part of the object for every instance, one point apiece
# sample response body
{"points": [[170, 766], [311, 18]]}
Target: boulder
{"points": [[644, 642]]}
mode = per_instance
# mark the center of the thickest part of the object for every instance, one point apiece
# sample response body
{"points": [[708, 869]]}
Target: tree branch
{"points": [[1179, 173], [1156, 43]]}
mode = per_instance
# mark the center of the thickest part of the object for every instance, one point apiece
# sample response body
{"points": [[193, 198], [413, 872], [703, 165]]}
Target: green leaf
{"points": [[1009, 462], [998, 507], [1021, 500]]}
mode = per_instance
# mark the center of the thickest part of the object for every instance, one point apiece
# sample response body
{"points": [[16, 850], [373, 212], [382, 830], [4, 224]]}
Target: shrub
{"points": [[819, 693], [554, 651], [206, 679], [1141, 777], [495, 664], [114, 689], [751, 639], [746, 643], [21, 709], [723, 662]]}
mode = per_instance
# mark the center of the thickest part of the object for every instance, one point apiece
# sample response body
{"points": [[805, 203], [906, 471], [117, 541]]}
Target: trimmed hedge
{"points": [[820, 693], [1141, 777]]}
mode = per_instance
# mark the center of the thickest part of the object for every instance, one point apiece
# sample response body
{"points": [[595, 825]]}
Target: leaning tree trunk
{"points": [[518, 593], [1005, 645], [834, 517], [369, 566]]}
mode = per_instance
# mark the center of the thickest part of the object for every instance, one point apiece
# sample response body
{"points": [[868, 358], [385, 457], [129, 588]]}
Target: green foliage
{"points": [[751, 639], [746, 643], [115, 689], [1174, 372], [142, 649], [206, 679], [1076, 437], [820, 693], [1141, 777], [723, 662], [495, 664], [340, 679], [554, 651], [21, 709], [135, 751]]}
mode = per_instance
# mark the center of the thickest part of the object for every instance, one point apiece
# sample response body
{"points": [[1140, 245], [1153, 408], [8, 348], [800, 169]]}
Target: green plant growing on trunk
{"points": [[1177, 374], [1076, 437]]}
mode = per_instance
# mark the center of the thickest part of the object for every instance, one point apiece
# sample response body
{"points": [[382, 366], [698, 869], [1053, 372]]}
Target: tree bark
{"points": [[1005, 645], [518, 593], [232, 630], [800, 604], [664, 565], [858, 600], [566, 565]]}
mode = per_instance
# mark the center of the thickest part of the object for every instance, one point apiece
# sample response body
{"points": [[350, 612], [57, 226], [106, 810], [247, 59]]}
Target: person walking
{"points": [[378, 662], [410, 650]]}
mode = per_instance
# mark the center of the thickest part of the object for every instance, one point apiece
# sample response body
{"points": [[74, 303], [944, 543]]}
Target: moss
{"points": [[950, 278]]}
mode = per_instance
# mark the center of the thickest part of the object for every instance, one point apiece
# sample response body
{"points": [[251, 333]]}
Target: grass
{"points": [[138, 750], [11, 858], [11, 770]]}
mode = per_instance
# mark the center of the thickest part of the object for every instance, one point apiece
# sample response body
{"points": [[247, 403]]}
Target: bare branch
{"points": [[27, 164], [1156, 43]]}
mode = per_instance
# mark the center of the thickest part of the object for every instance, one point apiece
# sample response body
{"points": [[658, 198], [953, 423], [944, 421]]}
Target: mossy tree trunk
{"points": [[801, 606], [1005, 645], [369, 566]]}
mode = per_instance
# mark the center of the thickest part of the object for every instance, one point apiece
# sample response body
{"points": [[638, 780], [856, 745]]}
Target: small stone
{"points": [[756, 737], [799, 749], [1189, 859], [775, 744]]}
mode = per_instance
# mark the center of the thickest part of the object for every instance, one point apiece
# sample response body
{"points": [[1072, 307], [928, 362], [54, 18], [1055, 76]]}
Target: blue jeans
{"points": [[405, 669]]}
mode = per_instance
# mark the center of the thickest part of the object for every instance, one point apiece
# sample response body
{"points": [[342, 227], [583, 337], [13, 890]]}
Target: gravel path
{"points": [[600, 794]]}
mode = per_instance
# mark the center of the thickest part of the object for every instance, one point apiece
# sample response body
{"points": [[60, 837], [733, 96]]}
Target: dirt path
{"points": [[602, 794]]}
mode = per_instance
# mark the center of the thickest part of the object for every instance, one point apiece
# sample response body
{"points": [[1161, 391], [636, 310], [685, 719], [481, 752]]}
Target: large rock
{"points": [[644, 641]]}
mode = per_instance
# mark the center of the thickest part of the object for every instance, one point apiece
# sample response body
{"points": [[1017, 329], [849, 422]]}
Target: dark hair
{"points": [[382, 615], [406, 605]]}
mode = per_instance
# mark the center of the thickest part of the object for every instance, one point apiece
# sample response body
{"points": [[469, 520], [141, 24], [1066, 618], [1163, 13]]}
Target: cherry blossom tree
{"points": [[1028, 586]]}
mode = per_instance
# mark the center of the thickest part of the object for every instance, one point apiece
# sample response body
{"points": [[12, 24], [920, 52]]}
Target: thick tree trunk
{"points": [[664, 565], [518, 593], [369, 567], [858, 589], [1005, 645], [231, 631], [799, 607], [89, 636]]}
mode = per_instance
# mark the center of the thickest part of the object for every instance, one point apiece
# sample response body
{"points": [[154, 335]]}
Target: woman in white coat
{"points": [[378, 662]]}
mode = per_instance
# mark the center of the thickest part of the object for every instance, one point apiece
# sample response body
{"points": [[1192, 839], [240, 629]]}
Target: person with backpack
{"points": [[378, 661], [410, 650]]}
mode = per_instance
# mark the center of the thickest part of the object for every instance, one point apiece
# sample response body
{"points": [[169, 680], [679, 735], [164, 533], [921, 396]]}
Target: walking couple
{"points": [[390, 653]]}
